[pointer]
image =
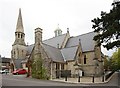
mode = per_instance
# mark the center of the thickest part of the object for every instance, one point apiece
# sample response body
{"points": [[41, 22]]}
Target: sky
{"points": [[47, 14]]}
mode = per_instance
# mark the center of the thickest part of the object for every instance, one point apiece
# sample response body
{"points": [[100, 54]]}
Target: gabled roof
{"points": [[86, 40], [55, 41], [69, 53], [53, 53], [18, 63]]}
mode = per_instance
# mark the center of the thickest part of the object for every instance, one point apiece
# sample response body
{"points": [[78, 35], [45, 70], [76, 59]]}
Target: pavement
{"points": [[0, 81], [84, 80]]}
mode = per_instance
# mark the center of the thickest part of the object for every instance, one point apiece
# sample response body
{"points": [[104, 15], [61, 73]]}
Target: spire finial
{"points": [[58, 26], [67, 30], [19, 10]]}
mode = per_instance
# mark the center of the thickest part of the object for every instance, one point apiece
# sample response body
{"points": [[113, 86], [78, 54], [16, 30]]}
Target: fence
{"points": [[63, 73]]}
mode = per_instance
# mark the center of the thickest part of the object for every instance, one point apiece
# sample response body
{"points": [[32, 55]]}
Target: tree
{"points": [[106, 63], [38, 70], [115, 61], [108, 27]]}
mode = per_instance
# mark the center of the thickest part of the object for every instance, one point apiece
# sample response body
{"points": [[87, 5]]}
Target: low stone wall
{"points": [[108, 75]]}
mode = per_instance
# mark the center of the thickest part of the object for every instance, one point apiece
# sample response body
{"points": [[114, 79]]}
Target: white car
{"points": [[3, 71]]}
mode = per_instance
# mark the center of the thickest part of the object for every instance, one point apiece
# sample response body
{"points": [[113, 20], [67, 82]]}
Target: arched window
{"points": [[22, 52], [18, 35], [14, 53], [21, 36], [79, 56], [85, 59], [62, 66], [57, 66]]}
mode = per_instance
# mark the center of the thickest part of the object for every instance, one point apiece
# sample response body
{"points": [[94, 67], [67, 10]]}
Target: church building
{"points": [[77, 54]]}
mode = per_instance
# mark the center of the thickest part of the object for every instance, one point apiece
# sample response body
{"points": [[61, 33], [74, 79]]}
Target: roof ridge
{"points": [[50, 46], [55, 37], [70, 47], [82, 34]]}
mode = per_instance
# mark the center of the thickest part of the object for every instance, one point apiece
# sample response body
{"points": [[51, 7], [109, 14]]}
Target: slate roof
{"points": [[86, 41], [55, 41], [69, 53], [53, 53], [18, 63], [30, 48]]}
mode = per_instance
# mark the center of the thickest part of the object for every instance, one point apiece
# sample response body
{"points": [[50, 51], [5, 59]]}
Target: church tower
{"points": [[58, 31], [19, 46]]}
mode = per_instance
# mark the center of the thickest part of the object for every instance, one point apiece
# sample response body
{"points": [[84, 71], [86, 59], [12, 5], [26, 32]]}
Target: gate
{"points": [[63, 73]]}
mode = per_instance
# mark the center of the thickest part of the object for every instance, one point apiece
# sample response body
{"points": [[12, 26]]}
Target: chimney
{"points": [[38, 35]]}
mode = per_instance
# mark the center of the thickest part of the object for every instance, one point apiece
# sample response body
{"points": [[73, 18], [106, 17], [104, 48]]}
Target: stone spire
{"points": [[19, 34], [19, 26]]}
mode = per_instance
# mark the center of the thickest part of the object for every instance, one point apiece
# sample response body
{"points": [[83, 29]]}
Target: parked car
{"points": [[4, 71], [19, 71]]}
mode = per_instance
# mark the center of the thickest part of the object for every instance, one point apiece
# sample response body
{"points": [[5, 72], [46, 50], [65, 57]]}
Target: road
{"points": [[9, 80], [12, 80]]}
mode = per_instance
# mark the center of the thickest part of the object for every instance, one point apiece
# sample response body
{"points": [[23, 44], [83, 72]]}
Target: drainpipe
{"points": [[51, 71]]}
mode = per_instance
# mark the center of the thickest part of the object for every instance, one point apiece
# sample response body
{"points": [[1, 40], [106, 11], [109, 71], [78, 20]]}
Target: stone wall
{"points": [[89, 68], [70, 66], [18, 52], [92, 66], [53, 70], [24, 66]]}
